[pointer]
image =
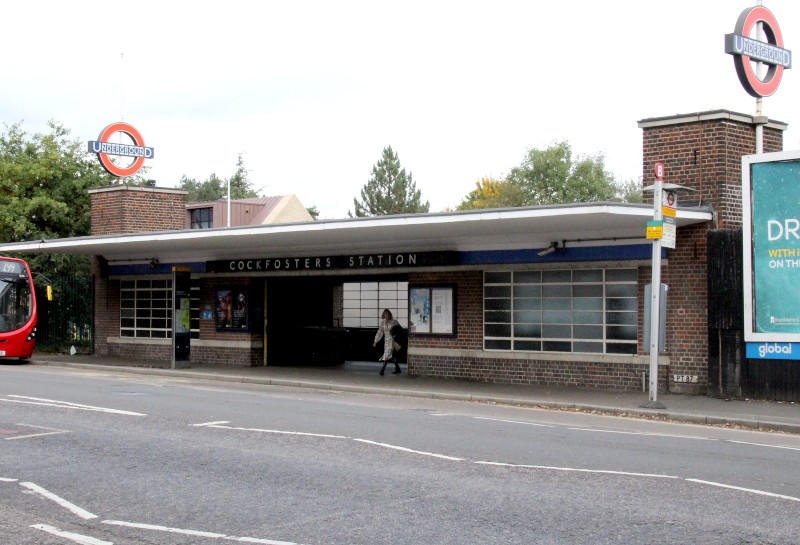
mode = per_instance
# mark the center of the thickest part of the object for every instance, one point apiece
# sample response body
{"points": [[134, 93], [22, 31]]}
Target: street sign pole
{"points": [[655, 306]]}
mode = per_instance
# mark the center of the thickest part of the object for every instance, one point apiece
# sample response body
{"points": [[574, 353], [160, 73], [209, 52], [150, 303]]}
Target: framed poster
{"points": [[771, 237], [432, 310], [232, 310]]}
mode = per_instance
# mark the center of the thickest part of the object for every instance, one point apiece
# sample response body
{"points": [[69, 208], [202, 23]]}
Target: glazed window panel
{"points": [[363, 303], [146, 309], [591, 311]]}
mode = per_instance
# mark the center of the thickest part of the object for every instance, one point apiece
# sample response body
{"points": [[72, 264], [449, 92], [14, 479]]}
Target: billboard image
{"points": [[771, 184]]}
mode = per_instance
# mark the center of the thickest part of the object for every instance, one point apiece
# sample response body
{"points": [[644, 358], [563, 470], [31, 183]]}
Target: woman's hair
{"points": [[386, 311]]}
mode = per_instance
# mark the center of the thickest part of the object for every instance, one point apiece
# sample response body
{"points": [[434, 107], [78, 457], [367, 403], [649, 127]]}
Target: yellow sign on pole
{"points": [[655, 229]]}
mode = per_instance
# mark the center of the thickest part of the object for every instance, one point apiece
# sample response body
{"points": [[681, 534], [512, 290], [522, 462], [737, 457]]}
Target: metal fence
{"points": [[66, 322]]}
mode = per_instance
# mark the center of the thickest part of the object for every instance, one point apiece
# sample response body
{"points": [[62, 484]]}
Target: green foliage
{"points": [[552, 176], [214, 188], [629, 191], [491, 193], [241, 186], [313, 211], [44, 183], [211, 189], [390, 190]]}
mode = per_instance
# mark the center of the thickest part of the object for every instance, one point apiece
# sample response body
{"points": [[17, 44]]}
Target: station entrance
{"points": [[327, 320]]}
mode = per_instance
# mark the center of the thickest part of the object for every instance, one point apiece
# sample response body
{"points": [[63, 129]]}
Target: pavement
{"points": [[363, 378]]}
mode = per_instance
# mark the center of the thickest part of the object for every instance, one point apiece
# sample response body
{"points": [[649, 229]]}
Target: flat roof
{"points": [[588, 224]]}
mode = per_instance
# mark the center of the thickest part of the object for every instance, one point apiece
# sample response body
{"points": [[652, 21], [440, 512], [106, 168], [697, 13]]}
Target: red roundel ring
{"points": [[106, 162], [744, 68]]}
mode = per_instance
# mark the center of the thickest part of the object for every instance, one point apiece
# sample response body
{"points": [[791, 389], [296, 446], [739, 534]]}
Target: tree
{"points": [[313, 211], [214, 188], [552, 176], [629, 191], [491, 193], [389, 190], [241, 186], [211, 189], [44, 183]]}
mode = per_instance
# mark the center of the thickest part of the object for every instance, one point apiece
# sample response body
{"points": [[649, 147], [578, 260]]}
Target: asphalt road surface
{"points": [[99, 457]]}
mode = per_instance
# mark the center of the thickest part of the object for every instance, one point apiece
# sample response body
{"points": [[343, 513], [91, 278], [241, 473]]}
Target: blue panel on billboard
{"points": [[773, 351], [776, 246]]}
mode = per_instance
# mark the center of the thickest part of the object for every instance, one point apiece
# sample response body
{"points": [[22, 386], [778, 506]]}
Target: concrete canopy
{"points": [[587, 224]]}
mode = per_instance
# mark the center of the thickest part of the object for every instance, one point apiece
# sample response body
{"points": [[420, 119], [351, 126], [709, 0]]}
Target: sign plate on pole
{"points": [[668, 234], [655, 229]]}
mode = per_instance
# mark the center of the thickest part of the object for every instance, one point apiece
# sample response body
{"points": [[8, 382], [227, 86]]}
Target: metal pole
{"points": [[760, 100], [228, 224], [655, 304]]}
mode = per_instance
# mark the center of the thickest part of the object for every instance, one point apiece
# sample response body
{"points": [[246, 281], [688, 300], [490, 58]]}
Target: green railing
{"points": [[67, 320]]}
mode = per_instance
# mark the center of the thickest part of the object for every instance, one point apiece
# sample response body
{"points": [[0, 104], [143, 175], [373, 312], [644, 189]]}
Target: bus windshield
{"points": [[15, 302]]}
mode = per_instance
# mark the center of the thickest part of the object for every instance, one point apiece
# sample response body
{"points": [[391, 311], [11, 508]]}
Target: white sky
{"points": [[310, 92]]}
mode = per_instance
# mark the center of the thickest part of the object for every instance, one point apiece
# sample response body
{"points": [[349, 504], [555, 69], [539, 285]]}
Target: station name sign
{"points": [[325, 263], [120, 149]]}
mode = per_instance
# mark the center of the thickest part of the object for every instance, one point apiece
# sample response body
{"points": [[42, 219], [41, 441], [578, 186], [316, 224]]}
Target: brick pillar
{"points": [[123, 209], [702, 151], [119, 209]]}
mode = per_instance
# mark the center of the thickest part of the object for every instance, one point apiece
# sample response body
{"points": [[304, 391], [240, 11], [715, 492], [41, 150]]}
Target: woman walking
{"points": [[389, 344]]}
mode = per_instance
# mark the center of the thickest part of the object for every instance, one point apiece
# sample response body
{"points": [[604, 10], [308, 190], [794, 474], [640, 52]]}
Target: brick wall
{"points": [[701, 151], [133, 209], [463, 357], [469, 306]]}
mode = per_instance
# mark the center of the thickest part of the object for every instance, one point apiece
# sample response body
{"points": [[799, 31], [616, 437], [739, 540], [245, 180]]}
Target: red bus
{"points": [[17, 309]]}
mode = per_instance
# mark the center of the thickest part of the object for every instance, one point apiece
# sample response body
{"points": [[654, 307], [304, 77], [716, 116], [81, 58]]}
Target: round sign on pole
{"points": [[658, 169], [746, 51], [103, 148]]}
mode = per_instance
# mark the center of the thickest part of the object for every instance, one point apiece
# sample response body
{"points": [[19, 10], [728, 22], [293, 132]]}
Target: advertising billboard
{"points": [[771, 229]]}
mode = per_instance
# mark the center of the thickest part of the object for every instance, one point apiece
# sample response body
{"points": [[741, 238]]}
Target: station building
{"points": [[549, 295]]}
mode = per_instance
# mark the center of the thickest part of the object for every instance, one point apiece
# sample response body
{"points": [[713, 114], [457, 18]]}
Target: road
{"points": [[98, 457]]}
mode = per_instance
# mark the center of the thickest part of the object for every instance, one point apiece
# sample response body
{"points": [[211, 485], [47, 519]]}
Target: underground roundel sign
{"points": [[746, 49], [103, 147]]}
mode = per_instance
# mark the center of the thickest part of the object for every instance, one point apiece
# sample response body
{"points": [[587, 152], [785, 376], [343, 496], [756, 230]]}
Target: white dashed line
{"points": [[65, 405], [196, 533], [582, 470], [740, 489], [77, 538], [82, 513]]}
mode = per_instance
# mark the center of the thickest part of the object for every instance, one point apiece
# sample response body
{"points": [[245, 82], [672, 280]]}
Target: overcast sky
{"points": [[311, 92]]}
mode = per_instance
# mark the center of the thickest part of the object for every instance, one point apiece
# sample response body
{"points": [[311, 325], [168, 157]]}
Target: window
{"points": [[201, 218], [146, 309], [363, 303], [592, 310]]}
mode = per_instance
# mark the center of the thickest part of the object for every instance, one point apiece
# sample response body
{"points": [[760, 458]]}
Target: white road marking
{"points": [[404, 449], [6, 480], [196, 533], [82, 513], [760, 444], [77, 538], [65, 405], [51, 431], [750, 490], [279, 432], [217, 423], [582, 470], [648, 434], [513, 422]]}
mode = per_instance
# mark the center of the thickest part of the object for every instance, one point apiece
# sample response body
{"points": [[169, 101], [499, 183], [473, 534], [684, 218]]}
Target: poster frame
{"points": [[427, 292], [236, 325], [750, 302]]}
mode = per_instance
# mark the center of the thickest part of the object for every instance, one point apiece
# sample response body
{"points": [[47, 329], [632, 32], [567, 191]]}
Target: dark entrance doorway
{"points": [[308, 322], [300, 326]]}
